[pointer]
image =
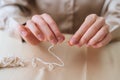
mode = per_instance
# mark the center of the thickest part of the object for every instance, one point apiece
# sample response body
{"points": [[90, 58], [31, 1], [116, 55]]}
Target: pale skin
{"points": [[94, 32]]}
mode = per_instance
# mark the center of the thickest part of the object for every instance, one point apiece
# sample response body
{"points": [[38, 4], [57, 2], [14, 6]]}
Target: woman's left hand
{"points": [[93, 32]]}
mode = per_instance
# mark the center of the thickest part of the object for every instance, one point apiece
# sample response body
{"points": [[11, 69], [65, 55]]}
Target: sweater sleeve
{"points": [[12, 14], [112, 16]]}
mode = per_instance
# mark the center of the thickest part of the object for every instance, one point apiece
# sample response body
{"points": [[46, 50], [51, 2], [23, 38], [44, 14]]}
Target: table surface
{"points": [[102, 63]]}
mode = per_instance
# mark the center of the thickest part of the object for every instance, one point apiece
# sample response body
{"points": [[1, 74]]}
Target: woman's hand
{"points": [[41, 28], [93, 32]]}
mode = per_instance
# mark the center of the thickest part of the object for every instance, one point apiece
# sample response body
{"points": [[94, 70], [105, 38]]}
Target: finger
{"points": [[84, 27], [27, 35], [35, 30], [105, 41], [99, 36], [37, 19], [92, 30], [53, 26]]}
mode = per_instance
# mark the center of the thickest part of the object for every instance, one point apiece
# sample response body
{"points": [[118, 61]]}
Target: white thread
{"points": [[62, 63], [34, 62], [50, 64], [11, 62], [16, 61]]}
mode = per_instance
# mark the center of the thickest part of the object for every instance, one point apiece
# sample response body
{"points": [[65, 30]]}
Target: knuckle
{"points": [[35, 17], [91, 17], [30, 25], [28, 22], [94, 16], [50, 21], [101, 19], [44, 14]]}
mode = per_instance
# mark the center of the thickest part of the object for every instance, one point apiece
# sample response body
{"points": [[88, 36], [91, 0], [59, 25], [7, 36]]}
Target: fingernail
{"points": [[73, 41], [40, 37], [24, 33], [54, 41]]}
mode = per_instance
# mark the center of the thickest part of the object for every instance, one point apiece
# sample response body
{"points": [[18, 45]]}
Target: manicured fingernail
{"points": [[73, 41], [40, 37], [54, 41], [24, 33]]}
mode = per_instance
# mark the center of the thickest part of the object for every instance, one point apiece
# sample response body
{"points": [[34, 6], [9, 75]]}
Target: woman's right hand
{"points": [[41, 28]]}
